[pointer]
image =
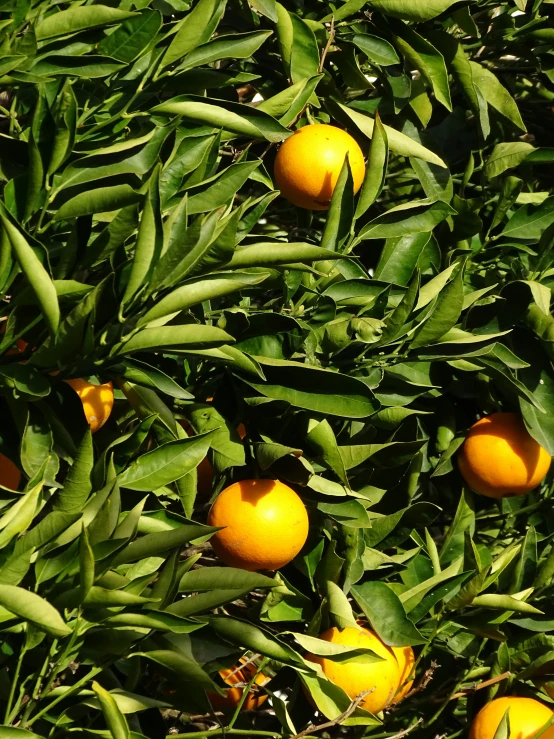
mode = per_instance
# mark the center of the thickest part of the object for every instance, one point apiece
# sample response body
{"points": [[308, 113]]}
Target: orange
{"points": [[527, 716], [308, 165], [265, 522], [499, 457], [97, 401], [355, 677], [20, 345], [406, 661], [10, 476], [232, 677]]}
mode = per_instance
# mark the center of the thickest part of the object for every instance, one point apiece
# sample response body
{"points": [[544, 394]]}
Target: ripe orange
{"points": [[527, 716], [232, 677], [97, 401], [500, 458], [406, 661], [10, 476], [308, 165], [354, 677], [265, 522]]}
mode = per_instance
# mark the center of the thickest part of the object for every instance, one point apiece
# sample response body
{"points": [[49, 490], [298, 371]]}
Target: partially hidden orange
{"points": [[239, 676], [265, 524], [97, 401], [406, 660], [308, 164], [526, 715], [10, 476], [381, 678], [500, 458]]}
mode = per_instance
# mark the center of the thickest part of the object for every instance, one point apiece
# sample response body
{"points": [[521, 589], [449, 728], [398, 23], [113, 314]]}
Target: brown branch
{"points": [[311, 729], [425, 680], [328, 44], [485, 684], [406, 731]]}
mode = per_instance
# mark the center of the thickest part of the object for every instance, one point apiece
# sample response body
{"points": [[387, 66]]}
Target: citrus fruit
{"points": [[19, 347], [10, 476], [527, 716], [309, 162], [235, 676], [265, 522], [355, 677], [406, 660], [97, 401], [500, 458]]}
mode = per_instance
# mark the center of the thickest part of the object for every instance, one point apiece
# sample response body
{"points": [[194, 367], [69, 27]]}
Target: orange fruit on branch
{"points": [[10, 476], [527, 716], [500, 458], [309, 162], [97, 401], [355, 676], [265, 524], [237, 677], [406, 660]]}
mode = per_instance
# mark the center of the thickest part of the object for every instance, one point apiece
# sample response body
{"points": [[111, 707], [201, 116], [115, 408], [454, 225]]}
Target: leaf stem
{"points": [[13, 687], [73, 689]]}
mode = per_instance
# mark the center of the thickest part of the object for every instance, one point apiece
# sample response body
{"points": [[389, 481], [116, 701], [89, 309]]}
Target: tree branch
{"points": [[311, 729], [327, 45]]}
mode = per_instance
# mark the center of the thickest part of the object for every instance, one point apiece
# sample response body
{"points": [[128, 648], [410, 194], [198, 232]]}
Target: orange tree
{"points": [[342, 350]]}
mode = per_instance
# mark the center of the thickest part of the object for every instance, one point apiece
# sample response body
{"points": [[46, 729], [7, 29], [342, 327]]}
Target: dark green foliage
{"points": [[142, 242]]}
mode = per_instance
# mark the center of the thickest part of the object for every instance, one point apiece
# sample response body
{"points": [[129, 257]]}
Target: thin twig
{"points": [[404, 732], [327, 45], [425, 680], [311, 729], [480, 686]]}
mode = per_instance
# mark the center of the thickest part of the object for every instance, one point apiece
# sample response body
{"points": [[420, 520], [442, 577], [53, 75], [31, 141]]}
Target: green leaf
{"points": [[115, 720], [316, 390], [377, 169], [377, 49], [386, 614], [64, 22], [232, 117], [417, 12], [496, 94], [422, 55], [234, 46], [214, 578], [175, 337], [77, 484], [38, 277], [506, 156], [153, 545], [31, 607], [403, 220], [97, 200], [149, 239], [132, 37], [530, 221], [398, 142], [165, 464], [194, 29]]}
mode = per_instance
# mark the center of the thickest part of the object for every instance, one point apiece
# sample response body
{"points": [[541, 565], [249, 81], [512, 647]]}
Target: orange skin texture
{"points": [[527, 716], [266, 525], [254, 699], [309, 162], [10, 476], [406, 661], [97, 401], [354, 678], [500, 458]]}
